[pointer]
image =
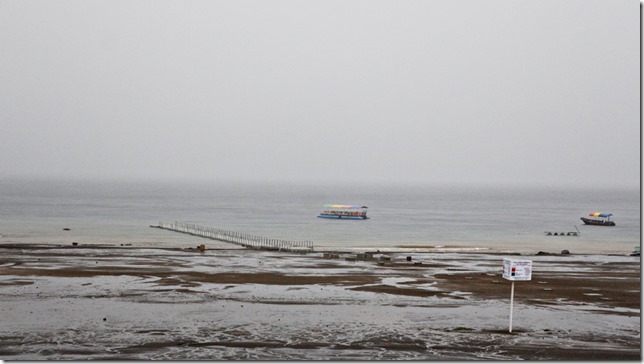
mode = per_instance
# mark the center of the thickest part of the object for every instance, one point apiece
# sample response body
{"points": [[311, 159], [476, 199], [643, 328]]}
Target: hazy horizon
{"points": [[436, 92], [334, 185]]}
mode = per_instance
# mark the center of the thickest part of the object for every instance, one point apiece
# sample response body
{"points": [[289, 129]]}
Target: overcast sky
{"points": [[431, 91]]}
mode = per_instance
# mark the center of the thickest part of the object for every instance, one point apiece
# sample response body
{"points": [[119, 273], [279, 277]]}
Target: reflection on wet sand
{"points": [[100, 302]]}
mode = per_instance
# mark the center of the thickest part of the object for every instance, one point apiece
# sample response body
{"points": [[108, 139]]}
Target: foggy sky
{"points": [[430, 91]]}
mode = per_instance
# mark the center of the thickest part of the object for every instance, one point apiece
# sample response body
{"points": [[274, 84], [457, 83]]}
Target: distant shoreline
{"points": [[397, 249]]}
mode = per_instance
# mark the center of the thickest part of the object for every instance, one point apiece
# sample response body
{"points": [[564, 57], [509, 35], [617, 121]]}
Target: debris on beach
{"points": [[563, 252], [384, 260]]}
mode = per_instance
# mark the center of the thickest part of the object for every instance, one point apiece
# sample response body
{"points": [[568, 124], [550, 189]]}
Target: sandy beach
{"points": [[113, 302]]}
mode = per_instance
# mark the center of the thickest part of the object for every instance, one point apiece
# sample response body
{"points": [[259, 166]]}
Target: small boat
{"points": [[348, 212], [604, 219], [636, 251]]}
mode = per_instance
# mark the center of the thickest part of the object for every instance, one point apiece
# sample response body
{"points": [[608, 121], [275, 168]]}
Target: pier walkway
{"points": [[232, 237]]}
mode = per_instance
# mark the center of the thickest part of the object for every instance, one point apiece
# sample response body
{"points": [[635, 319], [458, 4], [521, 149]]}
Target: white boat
{"points": [[604, 219], [346, 212]]}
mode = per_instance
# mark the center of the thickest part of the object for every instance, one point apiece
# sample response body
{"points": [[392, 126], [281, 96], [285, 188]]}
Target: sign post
{"points": [[516, 270]]}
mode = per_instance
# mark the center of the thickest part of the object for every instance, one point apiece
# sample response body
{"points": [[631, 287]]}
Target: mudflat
{"points": [[107, 302]]}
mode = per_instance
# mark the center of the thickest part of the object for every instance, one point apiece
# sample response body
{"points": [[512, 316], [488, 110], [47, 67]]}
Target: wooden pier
{"points": [[237, 238]]}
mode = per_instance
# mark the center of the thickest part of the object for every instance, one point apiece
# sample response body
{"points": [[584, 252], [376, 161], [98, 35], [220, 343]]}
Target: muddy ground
{"points": [[129, 303]]}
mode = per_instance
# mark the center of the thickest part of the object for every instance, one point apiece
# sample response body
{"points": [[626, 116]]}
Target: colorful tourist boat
{"points": [[348, 212], [604, 219]]}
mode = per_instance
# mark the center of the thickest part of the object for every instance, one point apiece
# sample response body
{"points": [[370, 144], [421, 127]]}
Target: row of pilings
{"points": [[233, 237]]}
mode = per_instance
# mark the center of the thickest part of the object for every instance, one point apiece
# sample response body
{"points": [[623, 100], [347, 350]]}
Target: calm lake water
{"points": [[452, 218]]}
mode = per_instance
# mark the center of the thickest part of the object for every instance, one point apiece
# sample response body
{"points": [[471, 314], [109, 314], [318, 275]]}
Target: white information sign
{"points": [[517, 270]]}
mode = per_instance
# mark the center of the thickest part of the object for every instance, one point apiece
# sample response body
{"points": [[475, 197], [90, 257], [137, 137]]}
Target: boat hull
{"points": [[597, 222], [345, 217]]}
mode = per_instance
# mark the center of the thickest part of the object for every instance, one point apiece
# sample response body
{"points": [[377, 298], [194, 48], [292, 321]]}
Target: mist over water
{"points": [[459, 217]]}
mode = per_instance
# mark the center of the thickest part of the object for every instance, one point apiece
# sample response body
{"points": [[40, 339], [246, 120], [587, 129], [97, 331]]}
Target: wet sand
{"points": [[129, 303]]}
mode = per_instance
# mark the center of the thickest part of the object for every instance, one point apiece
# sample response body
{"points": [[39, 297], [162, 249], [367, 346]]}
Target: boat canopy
{"points": [[599, 214], [336, 206]]}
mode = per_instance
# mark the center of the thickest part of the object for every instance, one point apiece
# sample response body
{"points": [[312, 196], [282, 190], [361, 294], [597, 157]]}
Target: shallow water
{"points": [[452, 218]]}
